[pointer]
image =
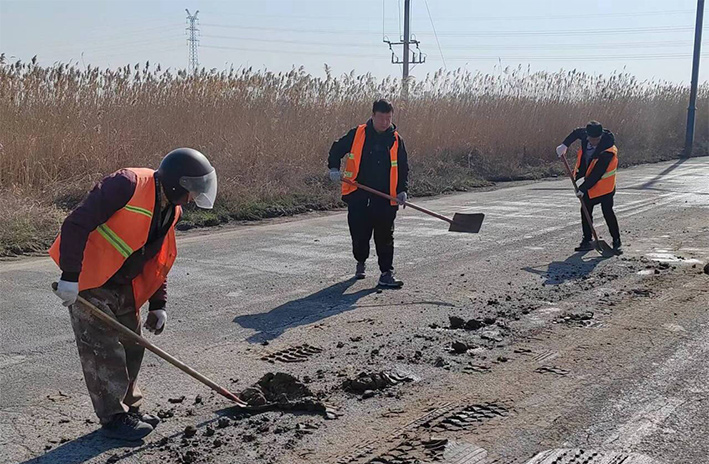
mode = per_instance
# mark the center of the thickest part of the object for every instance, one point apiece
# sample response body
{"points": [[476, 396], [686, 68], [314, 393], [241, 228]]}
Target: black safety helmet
{"points": [[185, 170]]}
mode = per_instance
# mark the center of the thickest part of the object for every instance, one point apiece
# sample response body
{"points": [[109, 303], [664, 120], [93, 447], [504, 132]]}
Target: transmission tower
{"points": [[192, 42], [409, 56]]}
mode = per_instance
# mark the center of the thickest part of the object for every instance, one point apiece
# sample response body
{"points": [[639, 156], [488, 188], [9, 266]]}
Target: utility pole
{"points": [[409, 57], [192, 42], [692, 109]]}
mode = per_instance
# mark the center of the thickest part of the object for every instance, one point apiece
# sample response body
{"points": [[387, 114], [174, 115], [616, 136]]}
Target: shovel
{"points": [[601, 246], [461, 222], [132, 336]]}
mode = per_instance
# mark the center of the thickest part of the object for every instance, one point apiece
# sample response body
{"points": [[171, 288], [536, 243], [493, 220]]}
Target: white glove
{"points": [[155, 321], [579, 193], [335, 175], [401, 197], [67, 292], [561, 150]]}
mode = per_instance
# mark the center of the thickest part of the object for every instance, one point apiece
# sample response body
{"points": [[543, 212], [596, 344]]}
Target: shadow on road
{"points": [[571, 268], [659, 177], [320, 305], [80, 450]]}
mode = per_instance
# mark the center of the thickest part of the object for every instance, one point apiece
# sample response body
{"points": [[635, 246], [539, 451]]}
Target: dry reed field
{"points": [[268, 134]]}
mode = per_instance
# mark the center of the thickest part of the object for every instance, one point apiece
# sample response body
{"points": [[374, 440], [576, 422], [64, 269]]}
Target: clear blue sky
{"points": [[651, 39]]}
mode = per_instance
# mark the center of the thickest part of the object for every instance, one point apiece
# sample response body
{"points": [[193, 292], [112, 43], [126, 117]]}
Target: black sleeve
{"points": [[403, 164], [574, 136], [339, 149], [159, 298], [599, 169]]}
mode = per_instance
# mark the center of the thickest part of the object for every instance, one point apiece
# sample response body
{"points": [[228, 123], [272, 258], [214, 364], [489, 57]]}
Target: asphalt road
{"points": [[630, 380]]}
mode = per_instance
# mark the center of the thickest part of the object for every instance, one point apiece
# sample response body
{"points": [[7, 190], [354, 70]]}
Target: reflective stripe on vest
{"points": [[124, 233], [354, 159], [606, 184]]}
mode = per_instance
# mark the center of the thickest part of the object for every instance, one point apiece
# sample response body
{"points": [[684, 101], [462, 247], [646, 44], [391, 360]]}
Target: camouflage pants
{"points": [[110, 364]]}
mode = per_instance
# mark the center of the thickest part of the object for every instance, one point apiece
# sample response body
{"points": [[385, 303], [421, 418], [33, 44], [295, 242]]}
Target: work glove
{"points": [[67, 292], [561, 150], [335, 175], [401, 197], [155, 321]]}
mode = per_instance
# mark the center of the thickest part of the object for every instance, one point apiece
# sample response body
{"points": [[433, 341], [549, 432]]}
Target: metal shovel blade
{"points": [[470, 223], [604, 249]]}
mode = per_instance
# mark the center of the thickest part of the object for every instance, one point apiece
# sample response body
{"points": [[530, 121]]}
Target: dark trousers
{"points": [[606, 202], [366, 215]]}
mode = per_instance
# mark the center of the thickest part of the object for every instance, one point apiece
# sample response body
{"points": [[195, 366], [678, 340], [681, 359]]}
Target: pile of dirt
{"points": [[471, 324], [281, 391], [369, 382], [275, 388]]}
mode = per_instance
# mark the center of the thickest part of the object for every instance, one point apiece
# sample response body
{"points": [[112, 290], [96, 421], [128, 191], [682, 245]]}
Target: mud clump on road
{"points": [[456, 322], [284, 392], [365, 382], [580, 318], [275, 388]]}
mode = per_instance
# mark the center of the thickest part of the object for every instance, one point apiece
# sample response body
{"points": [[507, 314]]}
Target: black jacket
{"points": [[376, 160], [603, 156]]}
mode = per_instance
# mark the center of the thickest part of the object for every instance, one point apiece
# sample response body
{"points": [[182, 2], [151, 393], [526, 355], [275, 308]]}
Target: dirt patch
{"points": [[275, 388], [281, 391], [366, 382]]}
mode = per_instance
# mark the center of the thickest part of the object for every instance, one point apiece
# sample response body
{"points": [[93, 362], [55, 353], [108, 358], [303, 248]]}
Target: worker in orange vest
{"points": [[376, 157], [597, 164], [115, 250]]}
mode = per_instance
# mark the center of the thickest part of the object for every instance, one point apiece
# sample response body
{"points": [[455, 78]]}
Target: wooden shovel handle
{"points": [[389, 197], [134, 337], [583, 205]]}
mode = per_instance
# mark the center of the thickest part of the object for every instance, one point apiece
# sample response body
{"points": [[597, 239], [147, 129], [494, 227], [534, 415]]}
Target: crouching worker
{"points": [[115, 250]]}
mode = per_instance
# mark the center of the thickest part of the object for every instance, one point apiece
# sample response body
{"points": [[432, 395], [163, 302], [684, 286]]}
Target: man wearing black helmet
{"points": [[596, 163], [115, 250]]}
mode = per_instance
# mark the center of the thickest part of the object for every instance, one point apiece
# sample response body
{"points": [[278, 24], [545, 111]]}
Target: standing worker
{"points": [[596, 163], [376, 157], [115, 250]]}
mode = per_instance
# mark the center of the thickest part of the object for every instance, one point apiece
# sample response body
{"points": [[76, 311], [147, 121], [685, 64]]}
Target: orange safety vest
{"points": [[125, 233], [606, 184], [354, 157]]}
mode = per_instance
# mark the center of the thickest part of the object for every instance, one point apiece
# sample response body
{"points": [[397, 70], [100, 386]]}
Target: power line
{"points": [[292, 52], [116, 39], [294, 42], [350, 18], [572, 58], [511, 33], [492, 47], [436, 35], [629, 57]]}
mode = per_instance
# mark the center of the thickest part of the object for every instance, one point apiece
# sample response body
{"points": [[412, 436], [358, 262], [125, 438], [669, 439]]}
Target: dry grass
{"points": [[268, 133]]}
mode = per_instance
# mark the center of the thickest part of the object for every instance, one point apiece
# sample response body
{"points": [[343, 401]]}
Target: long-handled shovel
{"points": [[461, 222], [601, 246], [130, 335]]}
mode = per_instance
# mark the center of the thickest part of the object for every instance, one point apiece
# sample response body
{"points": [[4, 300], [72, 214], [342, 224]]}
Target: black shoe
{"points": [[585, 245], [150, 419], [387, 279], [360, 271], [617, 247], [127, 427]]}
